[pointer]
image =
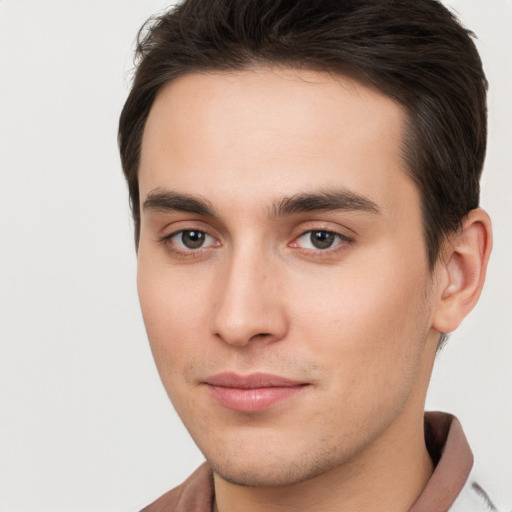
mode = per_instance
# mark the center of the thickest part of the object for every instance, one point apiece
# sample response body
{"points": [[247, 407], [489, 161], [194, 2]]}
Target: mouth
{"points": [[251, 393]]}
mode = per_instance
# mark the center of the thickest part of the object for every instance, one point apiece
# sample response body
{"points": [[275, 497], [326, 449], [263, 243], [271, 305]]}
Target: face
{"points": [[282, 270]]}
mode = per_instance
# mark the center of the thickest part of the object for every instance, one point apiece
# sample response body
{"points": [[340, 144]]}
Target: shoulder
{"points": [[473, 497], [194, 495], [166, 502]]}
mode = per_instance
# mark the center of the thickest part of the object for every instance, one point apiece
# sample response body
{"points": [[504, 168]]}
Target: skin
{"points": [[358, 321]]}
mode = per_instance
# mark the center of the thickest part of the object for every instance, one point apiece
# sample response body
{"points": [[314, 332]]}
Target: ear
{"points": [[461, 271]]}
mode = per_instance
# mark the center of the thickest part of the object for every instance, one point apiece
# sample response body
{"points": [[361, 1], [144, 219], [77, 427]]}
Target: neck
{"points": [[389, 476]]}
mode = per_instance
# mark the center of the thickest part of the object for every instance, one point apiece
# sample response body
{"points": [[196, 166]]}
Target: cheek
{"points": [[174, 309], [368, 325]]}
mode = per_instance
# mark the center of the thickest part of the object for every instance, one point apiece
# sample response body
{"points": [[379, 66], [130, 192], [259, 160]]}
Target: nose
{"points": [[249, 305]]}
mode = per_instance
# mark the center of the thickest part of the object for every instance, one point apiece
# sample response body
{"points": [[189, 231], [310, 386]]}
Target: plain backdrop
{"points": [[85, 424]]}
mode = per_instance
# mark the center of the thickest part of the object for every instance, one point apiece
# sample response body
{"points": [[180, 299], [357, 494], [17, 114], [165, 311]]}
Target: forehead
{"points": [[273, 131]]}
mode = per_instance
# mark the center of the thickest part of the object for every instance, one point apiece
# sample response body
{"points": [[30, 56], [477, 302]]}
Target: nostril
{"points": [[261, 335]]}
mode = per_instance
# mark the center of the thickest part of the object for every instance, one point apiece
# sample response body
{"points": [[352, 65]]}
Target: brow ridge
{"points": [[339, 199], [163, 201], [168, 200]]}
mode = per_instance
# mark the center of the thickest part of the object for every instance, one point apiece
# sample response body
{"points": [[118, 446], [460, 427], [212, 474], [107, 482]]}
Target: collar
{"points": [[450, 451]]}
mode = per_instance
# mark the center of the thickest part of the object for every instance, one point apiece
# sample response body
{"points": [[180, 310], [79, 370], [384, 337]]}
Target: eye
{"points": [[191, 239], [320, 240]]}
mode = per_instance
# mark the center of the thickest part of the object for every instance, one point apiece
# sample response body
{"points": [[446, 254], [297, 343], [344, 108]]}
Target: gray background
{"points": [[84, 422]]}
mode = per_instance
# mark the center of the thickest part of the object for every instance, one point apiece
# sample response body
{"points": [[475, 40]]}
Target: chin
{"points": [[271, 469], [254, 476]]}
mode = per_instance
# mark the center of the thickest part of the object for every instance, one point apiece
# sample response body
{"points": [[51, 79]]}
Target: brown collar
{"points": [[450, 451]]}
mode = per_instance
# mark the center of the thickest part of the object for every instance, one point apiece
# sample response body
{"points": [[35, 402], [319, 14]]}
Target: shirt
{"points": [[450, 487]]}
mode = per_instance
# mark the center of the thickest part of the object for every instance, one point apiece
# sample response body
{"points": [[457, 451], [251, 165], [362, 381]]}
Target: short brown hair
{"points": [[415, 51]]}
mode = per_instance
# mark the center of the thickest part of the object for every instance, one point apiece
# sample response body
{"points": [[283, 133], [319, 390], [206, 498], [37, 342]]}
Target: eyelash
{"points": [[340, 242]]}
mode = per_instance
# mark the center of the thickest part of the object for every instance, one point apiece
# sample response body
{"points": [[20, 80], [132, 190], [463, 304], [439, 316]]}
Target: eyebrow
{"points": [[162, 201], [340, 199]]}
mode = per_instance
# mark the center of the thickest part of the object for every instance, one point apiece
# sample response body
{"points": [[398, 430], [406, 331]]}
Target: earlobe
{"points": [[461, 272]]}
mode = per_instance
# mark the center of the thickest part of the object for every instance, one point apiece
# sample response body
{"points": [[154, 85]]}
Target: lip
{"points": [[251, 393]]}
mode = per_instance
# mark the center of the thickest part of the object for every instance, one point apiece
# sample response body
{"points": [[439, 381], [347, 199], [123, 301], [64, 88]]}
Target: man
{"points": [[304, 183]]}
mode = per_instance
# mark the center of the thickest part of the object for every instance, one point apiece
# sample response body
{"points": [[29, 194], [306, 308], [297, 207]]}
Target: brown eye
{"points": [[322, 239], [187, 240], [193, 239]]}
